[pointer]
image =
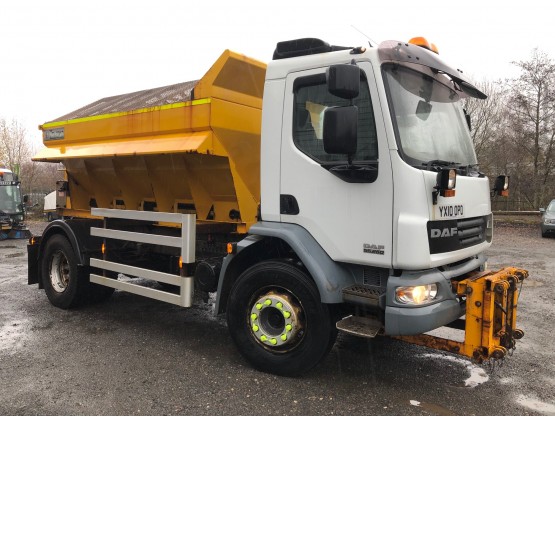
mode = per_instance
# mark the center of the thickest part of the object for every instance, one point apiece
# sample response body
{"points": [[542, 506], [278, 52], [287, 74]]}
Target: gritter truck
{"points": [[335, 188]]}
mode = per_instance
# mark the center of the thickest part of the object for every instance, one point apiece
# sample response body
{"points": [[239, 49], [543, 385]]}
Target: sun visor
{"points": [[409, 54]]}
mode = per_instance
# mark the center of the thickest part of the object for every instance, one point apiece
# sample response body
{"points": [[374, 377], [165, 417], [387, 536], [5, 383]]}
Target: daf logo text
{"points": [[373, 248], [446, 232]]}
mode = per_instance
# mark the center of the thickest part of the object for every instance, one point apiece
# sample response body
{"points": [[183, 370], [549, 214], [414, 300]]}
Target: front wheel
{"points": [[277, 320]]}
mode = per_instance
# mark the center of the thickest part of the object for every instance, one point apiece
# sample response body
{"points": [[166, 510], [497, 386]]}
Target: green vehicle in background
{"points": [[12, 207]]}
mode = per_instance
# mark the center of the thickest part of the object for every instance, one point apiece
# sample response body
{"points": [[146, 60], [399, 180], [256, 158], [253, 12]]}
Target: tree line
{"points": [[16, 151], [513, 132]]}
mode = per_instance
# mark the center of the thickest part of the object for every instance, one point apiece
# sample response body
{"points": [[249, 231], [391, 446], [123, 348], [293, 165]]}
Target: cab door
{"points": [[352, 221]]}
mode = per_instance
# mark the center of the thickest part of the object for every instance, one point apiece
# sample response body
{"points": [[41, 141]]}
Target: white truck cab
{"points": [[380, 212]]}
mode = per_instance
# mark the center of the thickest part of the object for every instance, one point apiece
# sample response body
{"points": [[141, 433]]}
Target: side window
{"points": [[312, 98]]}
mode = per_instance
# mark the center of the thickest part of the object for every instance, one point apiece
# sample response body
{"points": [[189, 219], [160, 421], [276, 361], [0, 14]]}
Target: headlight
{"points": [[549, 221], [416, 294]]}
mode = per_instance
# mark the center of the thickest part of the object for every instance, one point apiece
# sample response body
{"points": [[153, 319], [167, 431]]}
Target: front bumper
{"points": [[490, 322], [548, 229], [446, 308]]}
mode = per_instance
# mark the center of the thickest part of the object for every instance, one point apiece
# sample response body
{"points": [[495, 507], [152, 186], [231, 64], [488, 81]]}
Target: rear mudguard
{"points": [[78, 233]]}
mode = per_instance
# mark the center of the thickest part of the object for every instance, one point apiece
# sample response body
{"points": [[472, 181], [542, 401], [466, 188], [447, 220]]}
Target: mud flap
{"points": [[490, 319]]}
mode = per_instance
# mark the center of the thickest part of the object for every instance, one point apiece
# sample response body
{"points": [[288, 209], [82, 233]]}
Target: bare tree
{"points": [[514, 131], [492, 138], [14, 145], [16, 152], [531, 111], [485, 116], [42, 176]]}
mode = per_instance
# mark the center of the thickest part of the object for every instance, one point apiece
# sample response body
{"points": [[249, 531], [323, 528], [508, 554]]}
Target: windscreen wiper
{"points": [[440, 164]]}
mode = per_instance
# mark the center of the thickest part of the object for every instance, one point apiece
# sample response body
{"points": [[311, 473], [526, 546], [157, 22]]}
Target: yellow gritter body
{"points": [[199, 154]]}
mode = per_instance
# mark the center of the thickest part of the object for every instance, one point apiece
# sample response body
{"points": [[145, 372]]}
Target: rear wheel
{"points": [[65, 283], [276, 319]]}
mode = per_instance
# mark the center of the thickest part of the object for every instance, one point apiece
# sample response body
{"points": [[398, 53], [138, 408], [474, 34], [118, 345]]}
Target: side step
{"points": [[362, 294], [360, 326]]}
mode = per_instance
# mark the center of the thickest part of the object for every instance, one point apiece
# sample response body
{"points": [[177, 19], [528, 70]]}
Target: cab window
{"points": [[311, 99]]}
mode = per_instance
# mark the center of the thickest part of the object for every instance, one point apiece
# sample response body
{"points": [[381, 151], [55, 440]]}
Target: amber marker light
{"points": [[180, 263], [231, 248], [422, 42]]}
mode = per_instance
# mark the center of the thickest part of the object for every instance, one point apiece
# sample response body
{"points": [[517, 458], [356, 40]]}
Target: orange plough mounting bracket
{"points": [[490, 319]]}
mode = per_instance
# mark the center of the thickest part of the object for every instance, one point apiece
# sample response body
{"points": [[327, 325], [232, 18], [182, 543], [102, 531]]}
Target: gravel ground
{"points": [[137, 356]]}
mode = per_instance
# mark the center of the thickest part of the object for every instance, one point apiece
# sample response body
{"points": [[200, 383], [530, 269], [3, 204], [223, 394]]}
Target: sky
{"points": [[60, 55]]}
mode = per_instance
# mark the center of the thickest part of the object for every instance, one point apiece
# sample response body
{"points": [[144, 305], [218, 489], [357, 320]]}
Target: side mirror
{"points": [[446, 182], [343, 80], [542, 210], [25, 199], [340, 130], [501, 186]]}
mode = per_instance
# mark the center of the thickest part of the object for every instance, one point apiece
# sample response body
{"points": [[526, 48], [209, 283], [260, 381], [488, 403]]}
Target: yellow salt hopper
{"points": [[197, 149]]}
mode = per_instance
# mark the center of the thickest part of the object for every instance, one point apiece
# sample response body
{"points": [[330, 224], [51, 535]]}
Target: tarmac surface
{"points": [[136, 356]]}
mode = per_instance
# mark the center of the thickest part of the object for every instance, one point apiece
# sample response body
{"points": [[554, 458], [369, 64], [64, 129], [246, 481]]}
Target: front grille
{"points": [[375, 276], [472, 231], [452, 235]]}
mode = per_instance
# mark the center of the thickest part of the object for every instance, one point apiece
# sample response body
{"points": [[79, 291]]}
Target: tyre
{"points": [[277, 321], [65, 283], [99, 293]]}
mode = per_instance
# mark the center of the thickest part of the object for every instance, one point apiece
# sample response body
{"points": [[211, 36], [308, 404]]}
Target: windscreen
{"points": [[10, 199], [429, 119]]}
